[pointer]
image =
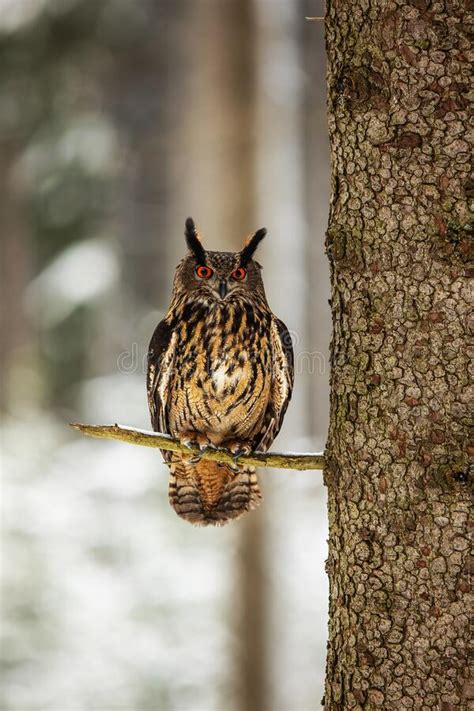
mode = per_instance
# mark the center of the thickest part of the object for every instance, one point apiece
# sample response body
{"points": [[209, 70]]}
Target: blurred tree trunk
{"points": [[397, 450], [146, 97], [216, 177], [287, 255], [14, 275]]}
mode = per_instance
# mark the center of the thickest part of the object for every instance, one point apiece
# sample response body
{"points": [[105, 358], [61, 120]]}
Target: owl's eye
{"points": [[204, 272], [239, 274]]}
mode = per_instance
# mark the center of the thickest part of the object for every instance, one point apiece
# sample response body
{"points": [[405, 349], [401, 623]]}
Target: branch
{"points": [[163, 441]]}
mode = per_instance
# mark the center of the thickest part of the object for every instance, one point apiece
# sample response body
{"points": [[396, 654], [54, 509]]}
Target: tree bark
{"points": [[397, 459]]}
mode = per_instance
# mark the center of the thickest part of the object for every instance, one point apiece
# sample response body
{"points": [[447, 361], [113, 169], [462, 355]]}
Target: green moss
{"points": [[346, 248], [423, 44], [447, 204], [456, 232], [455, 241]]}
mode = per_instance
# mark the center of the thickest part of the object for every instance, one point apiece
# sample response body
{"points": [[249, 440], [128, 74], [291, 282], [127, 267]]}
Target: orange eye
{"points": [[204, 272], [239, 274]]}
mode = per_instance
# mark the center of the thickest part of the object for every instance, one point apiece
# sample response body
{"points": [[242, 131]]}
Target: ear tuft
{"points": [[251, 245], [193, 240]]}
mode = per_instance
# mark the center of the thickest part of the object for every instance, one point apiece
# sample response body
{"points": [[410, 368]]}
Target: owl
{"points": [[220, 374]]}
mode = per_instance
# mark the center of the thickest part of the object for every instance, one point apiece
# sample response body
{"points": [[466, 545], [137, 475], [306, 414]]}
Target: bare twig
{"points": [[162, 441], [318, 18]]}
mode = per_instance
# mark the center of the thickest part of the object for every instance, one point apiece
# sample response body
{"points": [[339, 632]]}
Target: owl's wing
{"points": [[161, 354], [283, 371]]}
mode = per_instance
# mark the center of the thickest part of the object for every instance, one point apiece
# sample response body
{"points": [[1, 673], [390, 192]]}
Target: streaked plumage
{"points": [[220, 373]]}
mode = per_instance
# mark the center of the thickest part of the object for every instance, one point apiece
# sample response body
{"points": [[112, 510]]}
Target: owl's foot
{"points": [[238, 449], [196, 439]]}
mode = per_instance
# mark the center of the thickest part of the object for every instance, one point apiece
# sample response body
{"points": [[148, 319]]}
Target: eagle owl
{"points": [[220, 374]]}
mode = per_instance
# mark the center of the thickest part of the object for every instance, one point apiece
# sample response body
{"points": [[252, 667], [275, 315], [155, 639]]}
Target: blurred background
{"points": [[118, 119]]}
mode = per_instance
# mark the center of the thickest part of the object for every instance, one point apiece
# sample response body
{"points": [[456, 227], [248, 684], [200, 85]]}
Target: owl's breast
{"points": [[223, 376]]}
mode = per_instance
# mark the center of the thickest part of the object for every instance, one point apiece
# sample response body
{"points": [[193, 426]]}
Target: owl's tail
{"points": [[209, 493]]}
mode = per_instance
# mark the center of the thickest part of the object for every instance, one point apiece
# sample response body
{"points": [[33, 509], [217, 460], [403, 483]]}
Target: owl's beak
{"points": [[223, 289]]}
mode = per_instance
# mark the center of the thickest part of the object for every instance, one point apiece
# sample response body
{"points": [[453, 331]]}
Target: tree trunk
{"points": [[397, 449], [14, 275]]}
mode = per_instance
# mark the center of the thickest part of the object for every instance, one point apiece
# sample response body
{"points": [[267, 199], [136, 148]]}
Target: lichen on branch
{"points": [[158, 440]]}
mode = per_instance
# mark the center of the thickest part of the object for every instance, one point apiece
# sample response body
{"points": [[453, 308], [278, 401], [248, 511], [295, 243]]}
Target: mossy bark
{"points": [[397, 456]]}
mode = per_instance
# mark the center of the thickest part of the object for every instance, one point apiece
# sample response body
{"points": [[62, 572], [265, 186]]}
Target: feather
{"points": [[283, 373], [251, 245], [193, 240], [161, 354], [210, 493]]}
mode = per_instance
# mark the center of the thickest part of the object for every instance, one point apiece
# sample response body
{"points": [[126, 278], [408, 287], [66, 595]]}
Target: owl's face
{"points": [[220, 276]]}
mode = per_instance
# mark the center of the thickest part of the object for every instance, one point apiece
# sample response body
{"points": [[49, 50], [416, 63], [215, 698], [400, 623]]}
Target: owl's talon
{"points": [[204, 448], [194, 440], [189, 443], [238, 449], [208, 445]]}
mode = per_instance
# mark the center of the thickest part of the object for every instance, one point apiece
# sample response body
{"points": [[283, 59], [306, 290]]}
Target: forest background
{"points": [[118, 119]]}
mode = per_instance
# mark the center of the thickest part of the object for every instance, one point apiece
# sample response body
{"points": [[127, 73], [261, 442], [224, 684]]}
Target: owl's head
{"points": [[220, 276]]}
